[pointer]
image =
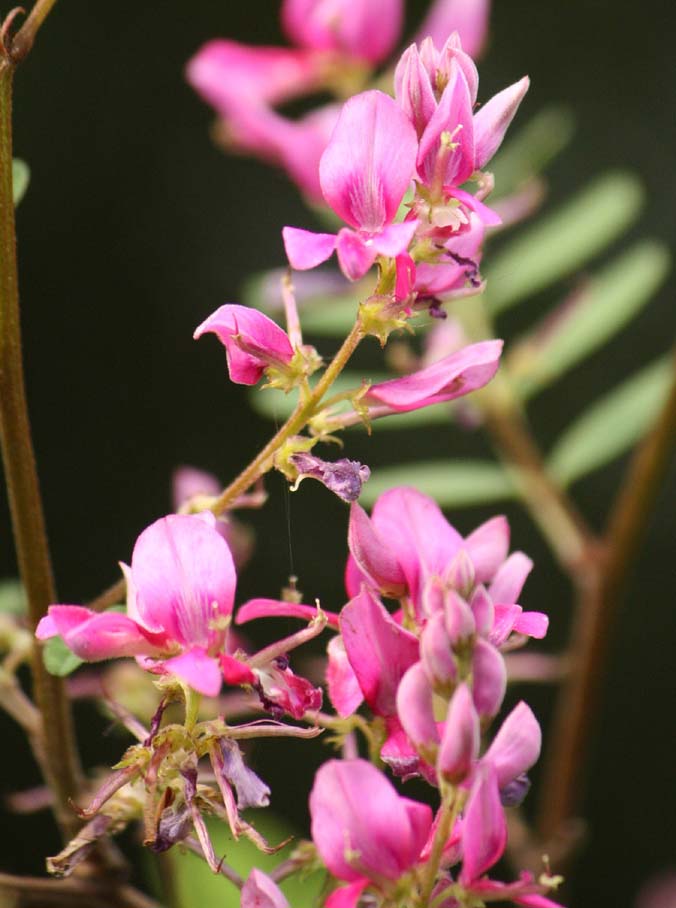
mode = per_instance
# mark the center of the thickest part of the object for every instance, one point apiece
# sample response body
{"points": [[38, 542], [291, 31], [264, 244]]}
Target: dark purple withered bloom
{"points": [[342, 477]]}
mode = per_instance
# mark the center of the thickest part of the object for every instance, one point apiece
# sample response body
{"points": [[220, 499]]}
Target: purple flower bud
{"points": [[513, 794], [343, 477]]}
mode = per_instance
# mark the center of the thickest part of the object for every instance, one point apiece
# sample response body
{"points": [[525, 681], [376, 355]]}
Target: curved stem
{"points": [[294, 424], [599, 602], [62, 768]]}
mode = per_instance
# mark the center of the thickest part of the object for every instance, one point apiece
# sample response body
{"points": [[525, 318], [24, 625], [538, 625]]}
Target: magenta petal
{"points": [[184, 577], [198, 670], [373, 556], [468, 17], [365, 29], [451, 377], [418, 534], [354, 577], [347, 896], [436, 653], [486, 215], [453, 116], [341, 681], [416, 712], [252, 341], [460, 740], [94, 636], [229, 75], [413, 89], [275, 608], [260, 891], [484, 833], [508, 582], [369, 161], [394, 239], [305, 249], [354, 808], [516, 747], [379, 650], [453, 49], [532, 624], [493, 119], [487, 548], [490, 678], [356, 254]]}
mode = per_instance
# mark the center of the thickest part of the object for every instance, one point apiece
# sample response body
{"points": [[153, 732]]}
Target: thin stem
{"points": [[295, 423], [600, 600], [24, 38], [449, 811], [62, 769]]}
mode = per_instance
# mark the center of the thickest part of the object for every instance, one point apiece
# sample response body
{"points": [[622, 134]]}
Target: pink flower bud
{"points": [[484, 831], [483, 610], [436, 654], [460, 574], [489, 678], [460, 741], [459, 619], [416, 713]]}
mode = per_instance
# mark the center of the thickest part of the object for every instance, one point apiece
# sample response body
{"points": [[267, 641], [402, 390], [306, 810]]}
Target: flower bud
{"points": [[460, 741], [416, 712], [436, 654], [489, 678], [458, 618], [460, 574]]}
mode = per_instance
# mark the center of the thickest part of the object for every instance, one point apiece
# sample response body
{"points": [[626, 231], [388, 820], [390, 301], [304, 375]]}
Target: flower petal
{"points": [[516, 747], [94, 636], [252, 341], [508, 582], [493, 119], [379, 650], [356, 253], [487, 547], [184, 577], [394, 239], [260, 891], [451, 377], [369, 161], [373, 556], [452, 118], [468, 17], [484, 833], [341, 681], [198, 670], [276, 608], [305, 249]]}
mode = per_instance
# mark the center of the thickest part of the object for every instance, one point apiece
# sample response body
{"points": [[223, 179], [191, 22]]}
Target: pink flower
{"points": [[364, 831], [469, 18], [363, 29], [180, 592], [260, 891], [364, 172], [453, 376], [252, 341]]}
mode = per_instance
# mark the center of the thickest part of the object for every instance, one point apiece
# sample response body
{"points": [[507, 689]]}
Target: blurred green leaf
{"points": [[452, 483], [198, 887], [527, 153], [609, 301], [557, 245], [12, 597], [58, 659], [20, 179], [612, 424], [331, 316]]}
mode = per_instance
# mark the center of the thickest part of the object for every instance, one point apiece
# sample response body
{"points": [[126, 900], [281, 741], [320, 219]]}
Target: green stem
{"points": [[450, 806], [295, 423], [63, 771], [193, 701]]}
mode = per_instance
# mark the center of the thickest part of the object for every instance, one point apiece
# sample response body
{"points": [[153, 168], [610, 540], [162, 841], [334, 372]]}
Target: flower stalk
{"points": [[62, 770]]}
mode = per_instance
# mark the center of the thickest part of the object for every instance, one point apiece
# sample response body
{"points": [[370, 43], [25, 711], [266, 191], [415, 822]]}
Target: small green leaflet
{"points": [[612, 424], [560, 243], [198, 887], [58, 659], [12, 597], [453, 483], [609, 301], [20, 179]]}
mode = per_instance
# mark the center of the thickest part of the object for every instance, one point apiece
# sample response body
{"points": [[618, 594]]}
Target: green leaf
{"points": [[198, 887], [526, 154], [610, 300], [20, 179], [58, 659], [452, 483], [559, 244], [612, 424], [12, 597]]}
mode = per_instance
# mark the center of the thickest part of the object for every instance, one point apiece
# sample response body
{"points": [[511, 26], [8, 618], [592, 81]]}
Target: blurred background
{"points": [[135, 227]]}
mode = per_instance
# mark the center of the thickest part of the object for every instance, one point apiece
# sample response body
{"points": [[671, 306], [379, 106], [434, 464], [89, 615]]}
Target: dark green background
{"points": [[135, 228]]}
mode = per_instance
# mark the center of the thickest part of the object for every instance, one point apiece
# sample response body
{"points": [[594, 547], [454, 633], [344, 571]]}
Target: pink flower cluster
{"points": [[337, 44], [433, 675]]}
